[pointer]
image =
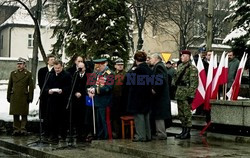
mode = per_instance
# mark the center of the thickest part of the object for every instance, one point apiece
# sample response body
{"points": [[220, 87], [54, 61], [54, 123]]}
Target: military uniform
{"points": [[117, 109], [186, 81], [103, 95], [20, 94]]}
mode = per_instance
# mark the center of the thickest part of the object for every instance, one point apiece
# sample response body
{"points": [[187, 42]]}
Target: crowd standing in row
{"points": [[144, 92]]}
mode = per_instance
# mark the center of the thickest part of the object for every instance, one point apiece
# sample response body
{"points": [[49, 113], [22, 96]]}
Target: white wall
{"points": [[19, 44], [161, 42]]}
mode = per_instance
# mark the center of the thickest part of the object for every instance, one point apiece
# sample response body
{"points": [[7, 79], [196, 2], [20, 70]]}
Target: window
{"points": [[30, 40], [1, 41]]}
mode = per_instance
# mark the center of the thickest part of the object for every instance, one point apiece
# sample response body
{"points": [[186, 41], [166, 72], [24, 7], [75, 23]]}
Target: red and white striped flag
{"points": [[200, 91], [224, 75], [207, 105], [232, 94], [218, 75], [215, 64]]}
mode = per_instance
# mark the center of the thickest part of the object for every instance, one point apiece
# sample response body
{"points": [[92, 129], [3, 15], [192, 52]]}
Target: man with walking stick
{"points": [[101, 91]]}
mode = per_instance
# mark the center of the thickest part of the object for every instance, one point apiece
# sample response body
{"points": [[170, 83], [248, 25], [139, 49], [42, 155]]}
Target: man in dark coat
{"points": [[139, 97], [19, 95], [43, 75], [78, 101], [58, 89], [161, 109], [233, 64], [73, 69]]}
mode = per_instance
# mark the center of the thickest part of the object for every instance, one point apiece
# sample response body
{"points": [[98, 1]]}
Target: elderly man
{"points": [[186, 80], [102, 93], [19, 95], [161, 110]]}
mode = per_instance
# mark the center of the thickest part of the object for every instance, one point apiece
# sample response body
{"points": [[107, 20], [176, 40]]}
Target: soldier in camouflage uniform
{"points": [[186, 82]]}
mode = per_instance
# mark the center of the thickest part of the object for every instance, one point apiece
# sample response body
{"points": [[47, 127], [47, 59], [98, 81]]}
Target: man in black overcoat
{"points": [[43, 74], [58, 89], [78, 101], [161, 109]]}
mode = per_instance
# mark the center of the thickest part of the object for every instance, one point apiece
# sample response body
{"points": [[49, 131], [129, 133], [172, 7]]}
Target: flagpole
{"points": [[225, 91]]}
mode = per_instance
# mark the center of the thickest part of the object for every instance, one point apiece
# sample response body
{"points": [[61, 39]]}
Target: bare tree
{"points": [[171, 14], [141, 9]]}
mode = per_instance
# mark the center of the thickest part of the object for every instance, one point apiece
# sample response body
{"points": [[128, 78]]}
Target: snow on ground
{"points": [[4, 107], [33, 108]]}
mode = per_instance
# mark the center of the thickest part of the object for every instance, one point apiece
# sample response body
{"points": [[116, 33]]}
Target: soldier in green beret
{"points": [[186, 81], [19, 95], [102, 93]]}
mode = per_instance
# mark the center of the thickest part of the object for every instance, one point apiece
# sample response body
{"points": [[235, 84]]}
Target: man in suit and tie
{"points": [[43, 75], [78, 101]]}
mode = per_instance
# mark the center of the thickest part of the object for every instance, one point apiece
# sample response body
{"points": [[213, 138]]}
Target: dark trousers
{"points": [[102, 130]]}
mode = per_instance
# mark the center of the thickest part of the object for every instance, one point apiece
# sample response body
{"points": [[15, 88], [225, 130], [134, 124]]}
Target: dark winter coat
{"points": [[20, 92], [139, 96], [161, 108]]}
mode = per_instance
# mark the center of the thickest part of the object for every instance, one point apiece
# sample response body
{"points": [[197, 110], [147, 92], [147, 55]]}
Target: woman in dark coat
{"points": [[139, 97], [161, 109]]}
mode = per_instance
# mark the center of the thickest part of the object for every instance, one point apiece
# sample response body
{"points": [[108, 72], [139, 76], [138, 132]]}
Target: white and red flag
{"points": [[233, 92], [218, 76], [200, 91], [224, 75], [209, 81]]}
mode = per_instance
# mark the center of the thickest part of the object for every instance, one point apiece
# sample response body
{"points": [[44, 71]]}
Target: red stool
{"points": [[127, 120]]}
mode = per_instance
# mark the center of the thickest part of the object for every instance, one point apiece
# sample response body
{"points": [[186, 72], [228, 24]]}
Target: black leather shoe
{"points": [[178, 136], [186, 135]]}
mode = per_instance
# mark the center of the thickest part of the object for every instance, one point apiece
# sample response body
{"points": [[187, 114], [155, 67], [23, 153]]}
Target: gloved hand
{"points": [[190, 100]]}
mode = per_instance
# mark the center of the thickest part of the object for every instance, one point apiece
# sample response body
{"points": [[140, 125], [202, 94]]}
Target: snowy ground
{"points": [[4, 107]]}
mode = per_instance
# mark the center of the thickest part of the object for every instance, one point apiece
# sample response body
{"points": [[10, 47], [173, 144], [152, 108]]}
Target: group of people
{"points": [[144, 92]]}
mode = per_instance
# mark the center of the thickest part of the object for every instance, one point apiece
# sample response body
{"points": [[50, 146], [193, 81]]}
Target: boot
{"points": [[186, 135], [182, 132]]}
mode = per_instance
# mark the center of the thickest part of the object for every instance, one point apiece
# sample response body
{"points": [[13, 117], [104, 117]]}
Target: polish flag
{"points": [[215, 64], [224, 74], [207, 105], [218, 76], [200, 91], [232, 94]]}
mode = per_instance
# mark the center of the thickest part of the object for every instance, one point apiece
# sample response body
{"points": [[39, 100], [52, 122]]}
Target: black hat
{"points": [[21, 60], [119, 61]]}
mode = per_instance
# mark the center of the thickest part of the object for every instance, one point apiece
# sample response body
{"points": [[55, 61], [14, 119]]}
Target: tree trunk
{"points": [[34, 61]]}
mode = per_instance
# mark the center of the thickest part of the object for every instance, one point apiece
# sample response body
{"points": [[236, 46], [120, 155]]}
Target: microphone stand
{"points": [[40, 142], [69, 106]]}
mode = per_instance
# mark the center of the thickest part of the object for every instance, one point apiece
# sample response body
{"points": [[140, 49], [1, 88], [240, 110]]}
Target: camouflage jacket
{"points": [[188, 83]]}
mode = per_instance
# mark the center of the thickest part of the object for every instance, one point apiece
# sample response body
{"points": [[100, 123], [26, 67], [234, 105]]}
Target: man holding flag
{"points": [[186, 81]]}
